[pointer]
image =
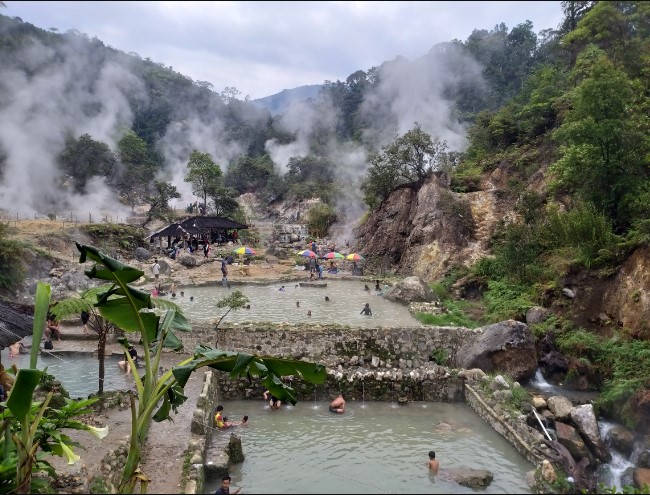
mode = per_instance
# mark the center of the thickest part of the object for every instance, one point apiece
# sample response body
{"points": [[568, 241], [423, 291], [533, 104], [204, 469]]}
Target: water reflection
{"points": [[269, 304], [376, 449]]}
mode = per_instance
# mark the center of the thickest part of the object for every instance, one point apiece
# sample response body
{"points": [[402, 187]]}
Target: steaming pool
{"points": [[375, 447], [269, 304]]}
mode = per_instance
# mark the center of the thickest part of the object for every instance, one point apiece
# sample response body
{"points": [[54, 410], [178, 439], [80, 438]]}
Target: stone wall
{"points": [[515, 430], [333, 345]]}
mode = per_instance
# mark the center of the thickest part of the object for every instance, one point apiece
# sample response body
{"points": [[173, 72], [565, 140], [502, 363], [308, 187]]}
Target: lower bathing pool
{"points": [[269, 304], [375, 447], [78, 372]]}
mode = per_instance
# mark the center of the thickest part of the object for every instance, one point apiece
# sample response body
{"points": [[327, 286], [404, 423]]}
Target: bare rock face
{"points": [[507, 346], [411, 289], [423, 228]]}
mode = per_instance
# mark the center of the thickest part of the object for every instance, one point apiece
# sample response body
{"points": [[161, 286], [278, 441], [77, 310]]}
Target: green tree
{"points": [[137, 167], [319, 219], [603, 139], [204, 175], [159, 201], [411, 157], [236, 300], [84, 158], [131, 310], [224, 201]]}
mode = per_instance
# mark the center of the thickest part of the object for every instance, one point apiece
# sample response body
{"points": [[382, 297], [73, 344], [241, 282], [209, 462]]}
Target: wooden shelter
{"points": [[201, 226]]}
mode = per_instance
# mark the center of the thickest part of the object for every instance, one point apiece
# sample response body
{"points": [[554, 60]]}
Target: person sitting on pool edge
{"points": [[338, 405]]}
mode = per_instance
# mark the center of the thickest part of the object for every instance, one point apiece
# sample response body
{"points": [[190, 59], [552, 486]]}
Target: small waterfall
{"points": [[363, 394], [315, 396], [539, 382], [610, 473], [393, 402]]}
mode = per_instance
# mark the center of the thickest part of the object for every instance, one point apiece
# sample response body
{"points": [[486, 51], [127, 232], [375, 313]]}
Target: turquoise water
{"points": [[376, 447]]}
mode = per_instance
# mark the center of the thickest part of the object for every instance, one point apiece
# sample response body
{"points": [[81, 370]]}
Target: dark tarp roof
{"points": [[15, 323], [207, 222], [175, 229], [197, 225]]}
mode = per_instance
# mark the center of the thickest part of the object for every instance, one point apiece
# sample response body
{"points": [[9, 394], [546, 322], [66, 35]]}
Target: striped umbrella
{"points": [[334, 256], [308, 253], [244, 250], [354, 257]]}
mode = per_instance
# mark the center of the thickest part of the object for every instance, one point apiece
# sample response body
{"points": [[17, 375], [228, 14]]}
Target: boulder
{"points": [[507, 346], [585, 420], [186, 260], [539, 403], [165, 269], [411, 289], [473, 478], [554, 365], [560, 407], [641, 477], [141, 254], [548, 472], [570, 438], [621, 439], [537, 314], [644, 459]]}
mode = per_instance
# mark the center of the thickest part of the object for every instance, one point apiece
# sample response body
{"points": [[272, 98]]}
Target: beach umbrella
{"points": [[354, 257], [334, 256], [308, 253], [244, 250]]}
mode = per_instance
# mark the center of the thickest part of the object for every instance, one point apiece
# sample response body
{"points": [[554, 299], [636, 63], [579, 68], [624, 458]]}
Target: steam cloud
{"points": [[70, 93], [77, 94]]}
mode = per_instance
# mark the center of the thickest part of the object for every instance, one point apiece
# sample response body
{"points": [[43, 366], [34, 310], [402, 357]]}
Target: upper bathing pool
{"points": [[376, 447], [269, 304]]}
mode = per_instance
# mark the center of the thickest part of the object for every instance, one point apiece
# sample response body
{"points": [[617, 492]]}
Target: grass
{"points": [[455, 316]]}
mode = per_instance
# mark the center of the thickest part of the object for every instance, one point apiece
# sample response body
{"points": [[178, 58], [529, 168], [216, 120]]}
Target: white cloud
{"points": [[263, 47]]}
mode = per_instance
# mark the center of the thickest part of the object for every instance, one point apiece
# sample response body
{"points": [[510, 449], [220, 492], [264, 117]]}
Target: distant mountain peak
{"points": [[278, 103]]}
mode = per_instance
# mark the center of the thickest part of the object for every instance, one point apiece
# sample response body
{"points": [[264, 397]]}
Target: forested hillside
{"points": [[556, 122]]}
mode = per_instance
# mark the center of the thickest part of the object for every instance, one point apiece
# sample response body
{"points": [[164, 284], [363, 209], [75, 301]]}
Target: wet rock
{"points": [[641, 477], [570, 438], [621, 439], [554, 365], [539, 403], [644, 459], [560, 407], [585, 420], [235, 451], [472, 478]]}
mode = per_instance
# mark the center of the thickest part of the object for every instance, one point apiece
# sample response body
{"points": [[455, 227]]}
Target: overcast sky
{"points": [[261, 48]]}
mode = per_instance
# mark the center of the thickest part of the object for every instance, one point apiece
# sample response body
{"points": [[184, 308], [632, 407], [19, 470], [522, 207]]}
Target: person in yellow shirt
{"points": [[218, 417]]}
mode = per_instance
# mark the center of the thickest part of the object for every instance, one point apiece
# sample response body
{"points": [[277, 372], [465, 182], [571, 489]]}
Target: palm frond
{"points": [[93, 293], [71, 306]]}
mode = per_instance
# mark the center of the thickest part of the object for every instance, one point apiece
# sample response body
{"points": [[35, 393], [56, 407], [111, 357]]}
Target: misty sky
{"points": [[261, 48]]}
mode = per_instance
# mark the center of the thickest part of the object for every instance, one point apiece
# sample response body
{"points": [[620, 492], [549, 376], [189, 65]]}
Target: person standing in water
{"points": [[338, 405], [432, 463], [366, 310]]}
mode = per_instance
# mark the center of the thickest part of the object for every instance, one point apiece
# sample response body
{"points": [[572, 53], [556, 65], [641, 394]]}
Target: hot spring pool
{"points": [[269, 304], [77, 372], [376, 447]]}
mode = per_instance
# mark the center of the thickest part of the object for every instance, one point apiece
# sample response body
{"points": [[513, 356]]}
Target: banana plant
{"points": [[30, 430], [132, 310]]}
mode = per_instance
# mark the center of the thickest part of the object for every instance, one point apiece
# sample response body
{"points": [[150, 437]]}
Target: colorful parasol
{"points": [[354, 257], [244, 250], [308, 253], [334, 256]]}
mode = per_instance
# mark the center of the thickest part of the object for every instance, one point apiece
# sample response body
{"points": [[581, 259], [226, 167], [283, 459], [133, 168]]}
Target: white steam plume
{"points": [[47, 95]]}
